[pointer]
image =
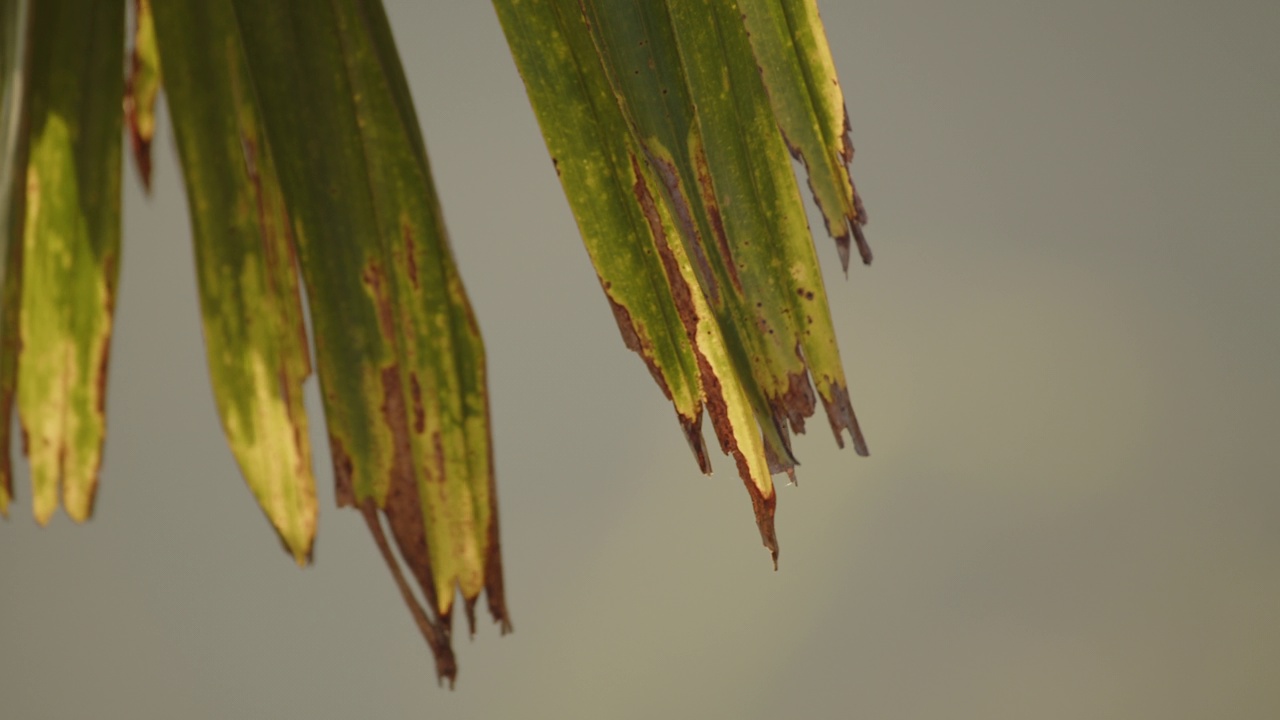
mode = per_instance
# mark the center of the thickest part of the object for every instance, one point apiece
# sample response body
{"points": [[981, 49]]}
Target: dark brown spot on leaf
{"points": [[712, 205], [343, 469], [410, 254], [376, 282], [419, 413], [797, 402], [395, 419], [139, 140]]}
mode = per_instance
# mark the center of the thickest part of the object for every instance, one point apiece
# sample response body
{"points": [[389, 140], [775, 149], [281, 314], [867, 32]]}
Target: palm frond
{"points": [[669, 141]]}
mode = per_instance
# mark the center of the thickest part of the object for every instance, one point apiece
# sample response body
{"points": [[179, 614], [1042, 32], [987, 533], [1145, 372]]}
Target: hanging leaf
{"points": [[596, 161], [771, 255], [791, 47], [398, 353], [255, 340], [71, 244], [669, 123], [657, 111]]}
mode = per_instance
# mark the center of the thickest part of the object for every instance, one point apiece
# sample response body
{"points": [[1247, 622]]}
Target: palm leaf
{"points": [[71, 242], [669, 124], [398, 353], [795, 62], [657, 111], [254, 336]]}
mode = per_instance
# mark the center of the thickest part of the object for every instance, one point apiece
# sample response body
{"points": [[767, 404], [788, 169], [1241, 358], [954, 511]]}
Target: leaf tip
{"points": [[840, 414], [692, 427]]}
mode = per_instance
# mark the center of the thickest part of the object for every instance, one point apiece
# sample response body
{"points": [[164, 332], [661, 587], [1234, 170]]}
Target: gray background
{"points": [[1065, 359]]}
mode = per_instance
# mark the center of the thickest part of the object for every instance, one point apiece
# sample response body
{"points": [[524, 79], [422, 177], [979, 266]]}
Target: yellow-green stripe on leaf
{"points": [[71, 242], [255, 341]]}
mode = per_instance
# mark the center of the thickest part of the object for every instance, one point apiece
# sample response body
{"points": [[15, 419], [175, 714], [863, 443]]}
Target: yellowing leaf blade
{"points": [[404, 395], [255, 341], [71, 243]]}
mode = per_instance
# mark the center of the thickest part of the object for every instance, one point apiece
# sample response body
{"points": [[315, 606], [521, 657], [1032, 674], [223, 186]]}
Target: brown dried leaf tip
{"points": [[142, 86]]}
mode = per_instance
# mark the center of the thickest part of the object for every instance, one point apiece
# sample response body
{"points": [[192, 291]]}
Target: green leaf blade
{"points": [[795, 61], [589, 143], [710, 174], [71, 242], [255, 340], [651, 145], [396, 346], [768, 242], [330, 228]]}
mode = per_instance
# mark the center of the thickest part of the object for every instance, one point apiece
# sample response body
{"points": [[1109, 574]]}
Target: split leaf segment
{"points": [[306, 176], [672, 125]]}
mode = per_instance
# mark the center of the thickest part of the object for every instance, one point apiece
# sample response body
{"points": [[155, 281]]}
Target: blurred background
{"points": [[1065, 360]]}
